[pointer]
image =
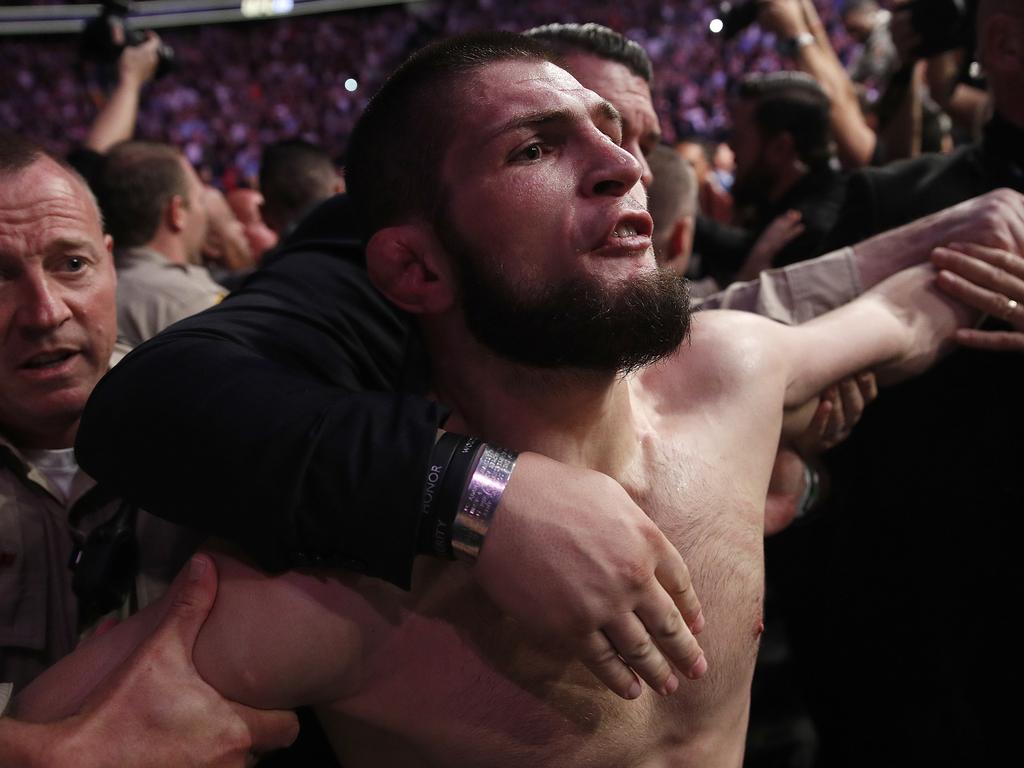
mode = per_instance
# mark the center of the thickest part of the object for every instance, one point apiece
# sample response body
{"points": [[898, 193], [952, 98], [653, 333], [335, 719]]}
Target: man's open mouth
{"points": [[48, 359]]}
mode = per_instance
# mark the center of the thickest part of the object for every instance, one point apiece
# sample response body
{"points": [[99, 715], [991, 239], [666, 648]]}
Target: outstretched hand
{"points": [[573, 558], [155, 710]]}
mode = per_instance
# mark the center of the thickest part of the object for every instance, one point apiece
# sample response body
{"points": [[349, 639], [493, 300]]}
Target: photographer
{"points": [[135, 57], [115, 123]]}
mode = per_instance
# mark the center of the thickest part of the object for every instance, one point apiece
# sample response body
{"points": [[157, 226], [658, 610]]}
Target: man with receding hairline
{"points": [[61, 566]]}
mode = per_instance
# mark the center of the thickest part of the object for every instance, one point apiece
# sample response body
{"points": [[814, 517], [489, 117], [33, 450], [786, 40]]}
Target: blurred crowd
{"points": [[238, 87]]}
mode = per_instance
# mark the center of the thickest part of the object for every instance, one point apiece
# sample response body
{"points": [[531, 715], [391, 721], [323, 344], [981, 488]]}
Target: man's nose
{"points": [[613, 171], [41, 304]]}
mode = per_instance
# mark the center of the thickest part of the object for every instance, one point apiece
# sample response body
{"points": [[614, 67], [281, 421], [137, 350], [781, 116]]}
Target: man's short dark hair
{"points": [[597, 40], [134, 186], [793, 103], [397, 147], [673, 192], [295, 175], [17, 153]]}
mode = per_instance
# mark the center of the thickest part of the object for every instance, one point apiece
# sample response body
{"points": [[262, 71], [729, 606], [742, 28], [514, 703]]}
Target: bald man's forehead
{"points": [[46, 179]]}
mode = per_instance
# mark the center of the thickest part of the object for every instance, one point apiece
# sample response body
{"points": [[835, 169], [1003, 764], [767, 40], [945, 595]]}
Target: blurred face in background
{"points": [[225, 243], [246, 206]]}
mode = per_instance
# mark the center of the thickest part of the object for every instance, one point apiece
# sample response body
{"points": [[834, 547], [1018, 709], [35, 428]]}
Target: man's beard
{"points": [[580, 323]]}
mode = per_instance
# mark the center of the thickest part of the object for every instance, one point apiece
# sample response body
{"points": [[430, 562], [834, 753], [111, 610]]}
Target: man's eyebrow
{"points": [[63, 244], [603, 111], [607, 110]]}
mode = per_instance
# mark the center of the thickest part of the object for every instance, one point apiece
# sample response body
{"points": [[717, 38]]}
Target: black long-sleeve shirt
{"points": [[302, 369]]}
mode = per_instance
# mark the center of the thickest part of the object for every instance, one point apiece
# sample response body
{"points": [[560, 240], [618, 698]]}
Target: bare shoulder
{"points": [[726, 352]]}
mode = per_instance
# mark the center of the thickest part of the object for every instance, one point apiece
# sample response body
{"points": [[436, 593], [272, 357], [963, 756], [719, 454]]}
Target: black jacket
{"points": [[818, 196], [274, 419]]}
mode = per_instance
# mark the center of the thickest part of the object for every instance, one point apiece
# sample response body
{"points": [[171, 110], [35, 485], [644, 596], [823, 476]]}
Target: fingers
{"points": [[990, 302], [996, 341], [268, 729], [991, 268], [674, 577], [653, 641], [823, 413], [630, 638], [603, 660], [868, 387], [664, 624], [195, 589]]}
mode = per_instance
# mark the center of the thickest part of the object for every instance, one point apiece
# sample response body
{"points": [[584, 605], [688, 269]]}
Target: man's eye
{"points": [[75, 264], [532, 152]]}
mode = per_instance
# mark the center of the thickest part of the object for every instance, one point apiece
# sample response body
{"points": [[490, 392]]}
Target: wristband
{"points": [[440, 460], [480, 500], [451, 464]]}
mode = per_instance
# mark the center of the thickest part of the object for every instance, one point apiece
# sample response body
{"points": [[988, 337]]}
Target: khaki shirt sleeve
{"points": [[796, 293]]}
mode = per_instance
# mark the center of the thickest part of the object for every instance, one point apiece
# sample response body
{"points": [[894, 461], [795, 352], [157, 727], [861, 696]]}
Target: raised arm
{"points": [[116, 120], [795, 19]]}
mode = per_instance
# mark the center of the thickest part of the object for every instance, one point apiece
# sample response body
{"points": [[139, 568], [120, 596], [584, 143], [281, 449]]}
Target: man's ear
{"points": [[174, 213], [406, 264], [679, 245]]}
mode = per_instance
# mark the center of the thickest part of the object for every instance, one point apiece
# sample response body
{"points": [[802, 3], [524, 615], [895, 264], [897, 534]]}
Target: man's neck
{"points": [[578, 417], [56, 437], [169, 247]]}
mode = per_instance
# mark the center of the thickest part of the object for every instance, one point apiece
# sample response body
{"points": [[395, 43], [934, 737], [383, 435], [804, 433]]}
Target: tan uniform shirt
{"points": [[153, 293], [39, 530], [796, 293]]}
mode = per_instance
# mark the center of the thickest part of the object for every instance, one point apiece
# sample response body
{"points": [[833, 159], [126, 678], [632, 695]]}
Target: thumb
{"points": [[194, 590]]}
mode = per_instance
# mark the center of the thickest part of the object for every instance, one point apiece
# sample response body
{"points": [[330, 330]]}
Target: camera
{"points": [[736, 16], [942, 25], [107, 35]]}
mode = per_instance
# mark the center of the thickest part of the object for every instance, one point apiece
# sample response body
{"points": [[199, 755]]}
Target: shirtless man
{"points": [[551, 330]]}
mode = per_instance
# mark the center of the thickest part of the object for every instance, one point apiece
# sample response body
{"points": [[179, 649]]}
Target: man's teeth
{"points": [[624, 230], [41, 361]]}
